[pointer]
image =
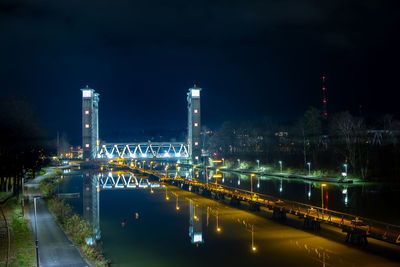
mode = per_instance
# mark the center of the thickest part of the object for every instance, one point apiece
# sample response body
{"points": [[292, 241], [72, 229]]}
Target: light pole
{"points": [[36, 238], [309, 168], [322, 194], [238, 163], [251, 182], [258, 164], [166, 171], [194, 167], [223, 162], [143, 164], [280, 164]]}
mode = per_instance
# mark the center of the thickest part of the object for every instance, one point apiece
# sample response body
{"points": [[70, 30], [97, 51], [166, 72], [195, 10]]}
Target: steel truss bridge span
{"points": [[159, 150]]}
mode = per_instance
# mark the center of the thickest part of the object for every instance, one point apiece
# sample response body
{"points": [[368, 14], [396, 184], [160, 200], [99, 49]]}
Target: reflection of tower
{"points": [[91, 205], [195, 223], [194, 123], [90, 123]]}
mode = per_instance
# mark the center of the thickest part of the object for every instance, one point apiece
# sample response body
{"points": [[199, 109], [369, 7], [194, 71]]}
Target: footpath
{"points": [[55, 249]]}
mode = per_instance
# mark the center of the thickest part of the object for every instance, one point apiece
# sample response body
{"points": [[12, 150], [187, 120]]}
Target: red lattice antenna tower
{"points": [[324, 98]]}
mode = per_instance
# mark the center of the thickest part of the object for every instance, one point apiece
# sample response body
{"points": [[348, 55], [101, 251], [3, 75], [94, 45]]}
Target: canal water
{"points": [[165, 226]]}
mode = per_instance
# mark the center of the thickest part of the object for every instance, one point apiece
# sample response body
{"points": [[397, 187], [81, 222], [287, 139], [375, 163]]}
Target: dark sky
{"points": [[252, 58]]}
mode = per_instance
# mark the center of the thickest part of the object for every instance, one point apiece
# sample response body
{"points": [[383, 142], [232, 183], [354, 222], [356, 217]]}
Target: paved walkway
{"points": [[55, 249]]}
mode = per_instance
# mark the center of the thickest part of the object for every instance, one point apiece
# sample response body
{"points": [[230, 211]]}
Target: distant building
{"points": [[90, 123]]}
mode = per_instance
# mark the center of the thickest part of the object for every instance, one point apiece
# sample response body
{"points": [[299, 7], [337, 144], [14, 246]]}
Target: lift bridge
{"points": [[147, 150], [190, 150]]}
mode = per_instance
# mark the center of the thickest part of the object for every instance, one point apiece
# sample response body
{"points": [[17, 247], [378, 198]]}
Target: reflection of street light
{"points": [[322, 194], [281, 187], [280, 163], [345, 169], [258, 164], [218, 228], [238, 163], [253, 247], [309, 168], [177, 204], [223, 162]]}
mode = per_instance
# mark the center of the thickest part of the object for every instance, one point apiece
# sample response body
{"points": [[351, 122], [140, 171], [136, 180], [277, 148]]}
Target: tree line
{"points": [[367, 145], [23, 142]]}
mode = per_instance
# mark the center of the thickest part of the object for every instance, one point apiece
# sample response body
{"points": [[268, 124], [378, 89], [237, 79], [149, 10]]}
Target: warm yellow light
{"points": [[323, 184], [252, 175], [177, 208], [167, 198], [254, 248], [218, 229]]}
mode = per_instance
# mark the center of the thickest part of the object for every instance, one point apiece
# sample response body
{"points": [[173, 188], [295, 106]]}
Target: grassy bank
{"points": [[73, 225], [22, 247]]}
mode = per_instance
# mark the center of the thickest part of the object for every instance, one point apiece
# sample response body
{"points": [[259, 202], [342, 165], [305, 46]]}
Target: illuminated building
{"points": [[90, 123], [194, 124]]}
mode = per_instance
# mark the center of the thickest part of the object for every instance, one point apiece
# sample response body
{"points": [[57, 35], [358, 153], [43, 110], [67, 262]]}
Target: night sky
{"points": [[252, 58]]}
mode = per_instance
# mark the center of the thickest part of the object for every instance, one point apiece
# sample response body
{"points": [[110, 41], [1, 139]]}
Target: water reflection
{"points": [[245, 238], [91, 206], [195, 223]]}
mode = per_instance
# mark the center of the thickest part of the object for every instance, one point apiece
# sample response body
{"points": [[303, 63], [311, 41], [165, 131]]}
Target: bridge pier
{"points": [[311, 224], [254, 206], [279, 214], [234, 201], [356, 236]]}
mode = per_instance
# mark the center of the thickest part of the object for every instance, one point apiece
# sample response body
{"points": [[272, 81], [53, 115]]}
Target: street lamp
{"points": [[36, 238], [322, 194], [194, 167], [251, 182], [238, 163], [280, 164], [258, 164], [223, 162], [309, 168]]}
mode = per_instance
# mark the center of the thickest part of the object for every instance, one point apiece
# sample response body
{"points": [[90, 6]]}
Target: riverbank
{"points": [[74, 229], [18, 248]]}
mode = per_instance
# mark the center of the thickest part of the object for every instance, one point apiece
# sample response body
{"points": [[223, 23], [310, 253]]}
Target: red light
{"points": [[194, 85], [323, 88], [325, 114], [323, 77], [324, 100], [87, 86], [215, 154]]}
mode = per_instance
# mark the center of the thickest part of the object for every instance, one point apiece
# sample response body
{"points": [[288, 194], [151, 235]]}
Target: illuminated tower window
{"points": [[87, 126], [196, 143], [87, 112], [196, 111], [196, 124], [87, 145]]}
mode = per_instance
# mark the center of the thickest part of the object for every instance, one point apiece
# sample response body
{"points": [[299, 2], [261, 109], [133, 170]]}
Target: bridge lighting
{"points": [[177, 155], [143, 155], [109, 155]]}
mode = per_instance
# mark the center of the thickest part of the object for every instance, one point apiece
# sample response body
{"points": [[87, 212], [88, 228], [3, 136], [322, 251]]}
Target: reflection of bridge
{"points": [[122, 181], [144, 150]]}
